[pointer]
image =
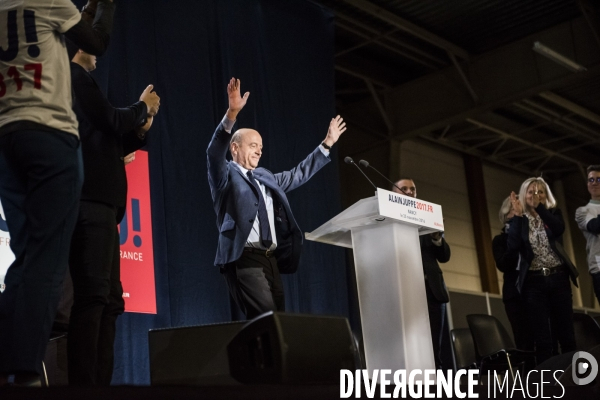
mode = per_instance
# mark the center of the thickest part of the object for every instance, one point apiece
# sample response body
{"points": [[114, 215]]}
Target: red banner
{"points": [[137, 255]]}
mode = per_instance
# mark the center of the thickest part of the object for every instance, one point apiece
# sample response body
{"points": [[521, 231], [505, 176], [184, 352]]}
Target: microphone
{"points": [[366, 164], [349, 160]]}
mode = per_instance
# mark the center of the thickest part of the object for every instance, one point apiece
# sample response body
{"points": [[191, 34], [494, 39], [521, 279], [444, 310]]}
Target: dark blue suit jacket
{"points": [[235, 202]]}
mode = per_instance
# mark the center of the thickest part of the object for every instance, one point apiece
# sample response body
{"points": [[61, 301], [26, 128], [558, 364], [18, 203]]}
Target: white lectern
{"points": [[384, 233]]}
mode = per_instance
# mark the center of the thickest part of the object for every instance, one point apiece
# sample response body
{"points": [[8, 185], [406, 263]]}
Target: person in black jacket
{"points": [[107, 135], [544, 268], [507, 262], [434, 249]]}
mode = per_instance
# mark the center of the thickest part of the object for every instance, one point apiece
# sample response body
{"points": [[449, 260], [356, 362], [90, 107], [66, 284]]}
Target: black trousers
{"points": [[549, 307], [437, 314], [517, 315], [40, 184], [255, 284], [98, 295]]}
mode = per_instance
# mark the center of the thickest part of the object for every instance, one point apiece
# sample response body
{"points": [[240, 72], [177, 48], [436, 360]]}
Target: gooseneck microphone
{"points": [[349, 160], [365, 164]]}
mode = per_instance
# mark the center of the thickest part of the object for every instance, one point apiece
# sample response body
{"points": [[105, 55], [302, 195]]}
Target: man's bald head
{"points": [[246, 148]]}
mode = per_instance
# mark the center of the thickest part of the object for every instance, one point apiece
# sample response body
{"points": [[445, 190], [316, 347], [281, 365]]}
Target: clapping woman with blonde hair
{"points": [[544, 268]]}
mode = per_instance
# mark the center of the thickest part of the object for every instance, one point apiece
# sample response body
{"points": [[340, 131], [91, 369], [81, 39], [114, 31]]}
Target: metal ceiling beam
{"points": [[444, 132], [369, 39], [501, 76], [366, 129], [369, 147], [523, 141], [588, 13], [530, 159], [539, 167], [484, 143], [466, 130], [569, 105], [380, 107], [464, 77], [557, 119], [374, 31], [361, 76], [382, 44], [458, 147], [515, 152], [500, 145], [409, 27], [557, 139]]}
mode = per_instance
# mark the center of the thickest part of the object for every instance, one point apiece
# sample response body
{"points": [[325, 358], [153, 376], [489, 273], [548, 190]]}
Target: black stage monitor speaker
{"points": [[564, 363], [292, 348], [567, 377], [193, 355]]}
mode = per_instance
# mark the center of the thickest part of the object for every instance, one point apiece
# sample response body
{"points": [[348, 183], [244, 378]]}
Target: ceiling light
{"points": [[557, 57]]}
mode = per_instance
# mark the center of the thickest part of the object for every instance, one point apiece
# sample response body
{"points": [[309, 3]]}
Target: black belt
{"points": [[266, 253], [546, 271]]}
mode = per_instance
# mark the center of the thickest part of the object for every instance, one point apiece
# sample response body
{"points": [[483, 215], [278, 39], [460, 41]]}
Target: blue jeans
{"points": [[40, 185], [549, 307]]}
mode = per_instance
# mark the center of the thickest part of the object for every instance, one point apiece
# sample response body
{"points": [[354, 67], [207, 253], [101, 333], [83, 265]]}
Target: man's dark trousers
{"points": [[40, 184], [98, 294], [255, 284], [437, 315]]}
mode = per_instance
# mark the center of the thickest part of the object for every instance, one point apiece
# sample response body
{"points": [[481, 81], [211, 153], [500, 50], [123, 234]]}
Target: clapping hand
{"points": [[129, 158], [516, 204], [141, 131], [151, 99]]}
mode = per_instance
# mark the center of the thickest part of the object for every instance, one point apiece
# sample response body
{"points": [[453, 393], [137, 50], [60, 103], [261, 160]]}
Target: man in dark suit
{"points": [[258, 235], [434, 249], [107, 134]]}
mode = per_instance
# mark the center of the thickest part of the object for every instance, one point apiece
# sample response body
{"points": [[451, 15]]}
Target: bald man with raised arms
{"points": [[258, 235]]}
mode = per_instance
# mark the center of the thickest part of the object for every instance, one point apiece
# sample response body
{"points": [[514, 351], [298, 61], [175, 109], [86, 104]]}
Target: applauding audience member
{"points": [[535, 233]]}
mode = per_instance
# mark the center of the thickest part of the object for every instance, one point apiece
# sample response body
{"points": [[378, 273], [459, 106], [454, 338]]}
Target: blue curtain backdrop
{"points": [[283, 53]]}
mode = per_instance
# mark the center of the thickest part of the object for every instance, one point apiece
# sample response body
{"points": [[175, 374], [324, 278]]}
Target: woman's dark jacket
{"points": [[518, 241]]}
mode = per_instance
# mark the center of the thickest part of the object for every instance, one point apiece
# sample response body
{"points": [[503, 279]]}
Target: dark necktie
{"points": [[263, 216]]}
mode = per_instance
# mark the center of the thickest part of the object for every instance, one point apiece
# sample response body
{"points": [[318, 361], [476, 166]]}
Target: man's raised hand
{"points": [[337, 126], [236, 101]]}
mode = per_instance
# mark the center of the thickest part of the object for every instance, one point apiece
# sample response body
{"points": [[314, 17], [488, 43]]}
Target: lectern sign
{"points": [[410, 210], [383, 231]]}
